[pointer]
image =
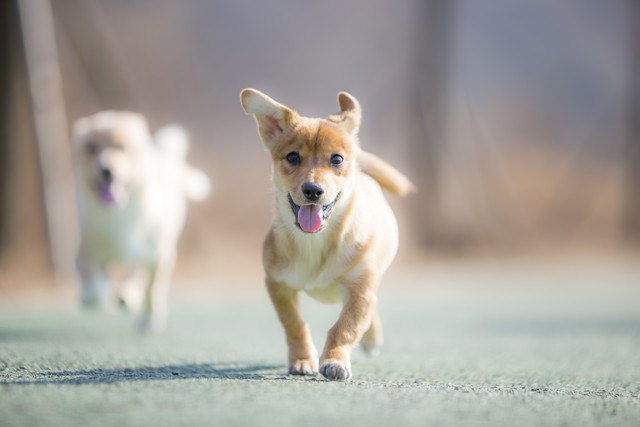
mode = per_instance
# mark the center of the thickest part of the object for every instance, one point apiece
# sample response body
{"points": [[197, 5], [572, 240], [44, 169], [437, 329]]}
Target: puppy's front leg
{"points": [[303, 356], [154, 315], [94, 280], [355, 318]]}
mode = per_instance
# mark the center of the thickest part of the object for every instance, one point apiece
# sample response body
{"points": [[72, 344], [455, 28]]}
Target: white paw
{"points": [[152, 323], [93, 298]]}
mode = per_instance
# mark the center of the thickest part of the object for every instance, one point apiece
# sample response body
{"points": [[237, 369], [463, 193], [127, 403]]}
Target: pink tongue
{"points": [[106, 193], [310, 218]]}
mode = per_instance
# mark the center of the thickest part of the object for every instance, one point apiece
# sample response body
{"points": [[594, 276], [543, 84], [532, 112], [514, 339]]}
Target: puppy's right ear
{"points": [[272, 117], [81, 127]]}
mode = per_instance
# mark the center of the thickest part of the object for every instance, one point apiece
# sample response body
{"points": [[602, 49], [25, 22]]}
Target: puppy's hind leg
{"points": [[303, 356], [155, 302], [372, 339]]}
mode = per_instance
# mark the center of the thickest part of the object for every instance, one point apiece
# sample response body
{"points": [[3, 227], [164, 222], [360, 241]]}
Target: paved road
{"points": [[494, 347]]}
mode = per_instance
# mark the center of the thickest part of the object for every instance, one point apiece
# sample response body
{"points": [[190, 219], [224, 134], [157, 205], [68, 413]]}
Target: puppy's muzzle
{"points": [[311, 191]]}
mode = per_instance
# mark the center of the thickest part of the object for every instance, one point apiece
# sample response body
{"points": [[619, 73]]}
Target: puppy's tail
{"points": [[387, 176], [173, 141], [197, 184]]}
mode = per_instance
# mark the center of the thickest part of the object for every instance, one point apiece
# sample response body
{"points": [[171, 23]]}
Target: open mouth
{"points": [[312, 218], [110, 193], [106, 193]]}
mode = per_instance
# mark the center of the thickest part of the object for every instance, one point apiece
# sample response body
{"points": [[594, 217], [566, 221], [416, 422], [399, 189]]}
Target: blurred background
{"points": [[519, 121]]}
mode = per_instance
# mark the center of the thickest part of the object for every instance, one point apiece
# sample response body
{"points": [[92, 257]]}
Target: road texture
{"points": [[482, 345]]}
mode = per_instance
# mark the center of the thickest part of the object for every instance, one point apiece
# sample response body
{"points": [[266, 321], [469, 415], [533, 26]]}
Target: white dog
{"points": [[132, 191]]}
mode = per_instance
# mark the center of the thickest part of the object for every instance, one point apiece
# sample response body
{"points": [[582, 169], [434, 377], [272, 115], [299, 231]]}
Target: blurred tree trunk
{"points": [[430, 90], [631, 220]]}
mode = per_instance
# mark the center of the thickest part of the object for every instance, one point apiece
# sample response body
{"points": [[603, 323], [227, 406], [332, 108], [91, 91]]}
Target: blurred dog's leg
{"points": [[131, 292], [94, 281], [154, 315]]}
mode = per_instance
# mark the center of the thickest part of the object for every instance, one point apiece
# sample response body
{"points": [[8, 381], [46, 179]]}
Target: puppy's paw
{"points": [[304, 367], [90, 303], [335, 370], [93, 298], [151, 323]]}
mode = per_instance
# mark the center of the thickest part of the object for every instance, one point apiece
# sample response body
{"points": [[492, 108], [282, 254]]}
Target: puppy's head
{"points": [[314, 159], [110, 147]]}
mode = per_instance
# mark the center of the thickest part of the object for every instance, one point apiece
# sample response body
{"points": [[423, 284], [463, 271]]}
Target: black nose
{"points": [[106, 174], [312, 192]]}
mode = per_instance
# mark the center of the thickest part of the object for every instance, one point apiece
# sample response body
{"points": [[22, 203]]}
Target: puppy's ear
{"points": [[81, 127], [350, 113], [272, 117]]}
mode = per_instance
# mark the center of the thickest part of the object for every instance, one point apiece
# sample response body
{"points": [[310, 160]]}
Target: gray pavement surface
{"points": [[493, 346]]}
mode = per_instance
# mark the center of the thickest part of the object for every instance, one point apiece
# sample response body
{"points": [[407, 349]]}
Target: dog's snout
{"points": [[312, 192], [106, 174]]}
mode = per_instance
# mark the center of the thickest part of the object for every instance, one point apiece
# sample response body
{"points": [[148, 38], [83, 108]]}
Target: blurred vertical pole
{"points": [[631, 220], [47, 103], [88, 36], [6, 39], [430, 84]]}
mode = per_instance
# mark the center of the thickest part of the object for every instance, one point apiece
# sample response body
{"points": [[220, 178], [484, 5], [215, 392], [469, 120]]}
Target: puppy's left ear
{"points": [[350, 113], [272, 117]]}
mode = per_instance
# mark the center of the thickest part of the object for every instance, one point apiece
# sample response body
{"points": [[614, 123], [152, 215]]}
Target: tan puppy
{"points": [[333, 234], [132, 193]]}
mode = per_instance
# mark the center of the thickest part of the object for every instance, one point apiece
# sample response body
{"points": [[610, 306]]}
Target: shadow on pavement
{"points": [[21, 335], [160, 373]]}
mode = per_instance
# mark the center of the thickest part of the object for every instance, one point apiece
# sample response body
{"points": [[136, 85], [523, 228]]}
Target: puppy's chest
{"points": [[122, 237], [315, 270]]}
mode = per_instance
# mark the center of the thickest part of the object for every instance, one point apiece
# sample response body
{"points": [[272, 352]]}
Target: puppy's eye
{"points": [[91, 148], [293, 158], [336, 160]]}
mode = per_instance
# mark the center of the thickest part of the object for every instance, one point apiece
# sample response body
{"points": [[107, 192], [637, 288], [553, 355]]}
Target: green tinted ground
{"points": [[490, 347]]}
